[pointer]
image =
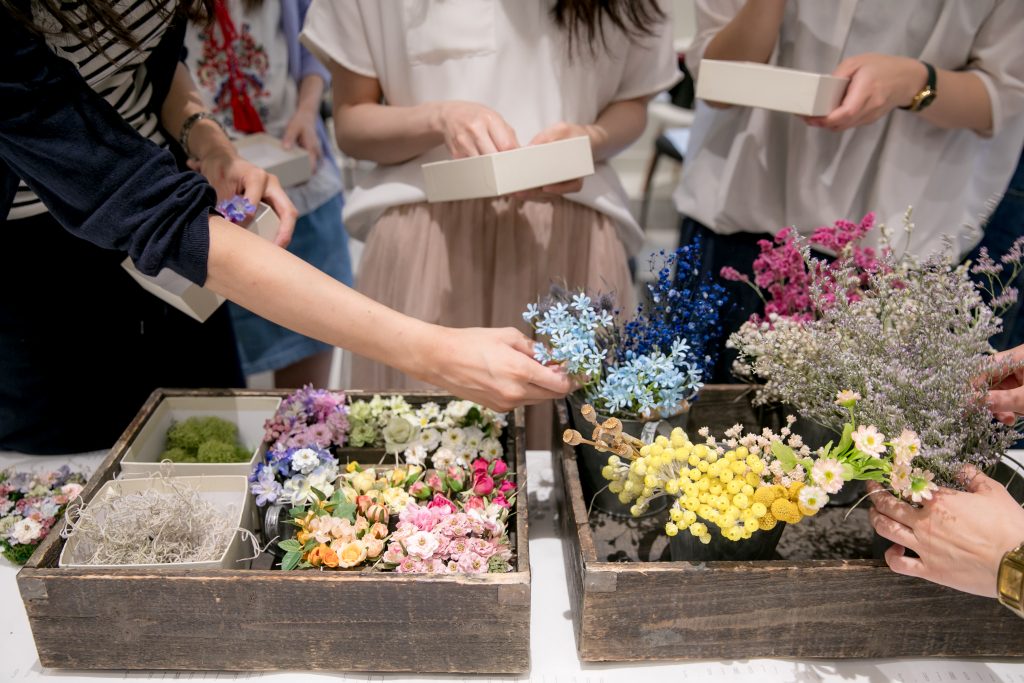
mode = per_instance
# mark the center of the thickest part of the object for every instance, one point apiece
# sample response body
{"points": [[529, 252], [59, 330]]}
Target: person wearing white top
{"points": [[422, 81], [750, 172]]}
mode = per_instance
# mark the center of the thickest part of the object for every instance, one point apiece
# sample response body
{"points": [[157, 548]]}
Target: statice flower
{"points": [[309, 417]]}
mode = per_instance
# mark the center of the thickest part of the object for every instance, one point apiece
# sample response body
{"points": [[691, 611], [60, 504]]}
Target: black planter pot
{"points": [[684, 546]]}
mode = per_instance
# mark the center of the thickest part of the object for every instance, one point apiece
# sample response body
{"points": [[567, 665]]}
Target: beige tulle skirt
{"points": [[478, 263]]}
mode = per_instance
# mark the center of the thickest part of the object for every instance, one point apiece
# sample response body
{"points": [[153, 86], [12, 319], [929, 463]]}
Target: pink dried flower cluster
{"points": [[781, 271], [439, 539], [308, 417]]}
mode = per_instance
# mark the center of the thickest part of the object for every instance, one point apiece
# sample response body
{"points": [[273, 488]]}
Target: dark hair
{"points": [[101, 19], [585, 19]]}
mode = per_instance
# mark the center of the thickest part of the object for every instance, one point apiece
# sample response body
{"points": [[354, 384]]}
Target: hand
{"points": [[1006, 398], [494, 367], [472, 129], [559, 131], [878, 84], [301, 129], [230, 174], [959, 536]]}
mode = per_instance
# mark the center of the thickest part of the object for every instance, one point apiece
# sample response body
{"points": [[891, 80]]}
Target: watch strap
{"points": [[925, 96]]}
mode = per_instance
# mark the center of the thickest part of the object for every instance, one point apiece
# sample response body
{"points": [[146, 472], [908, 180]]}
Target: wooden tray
{"points": [[656, 610], [250, 619]]}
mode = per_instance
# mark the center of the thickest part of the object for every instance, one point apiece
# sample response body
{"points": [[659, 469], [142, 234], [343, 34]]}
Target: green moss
{"points": [[18, 553], [204, 439]]}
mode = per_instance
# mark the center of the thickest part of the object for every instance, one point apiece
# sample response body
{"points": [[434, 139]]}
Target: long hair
{"points": [[100, 19], [584, 20]]}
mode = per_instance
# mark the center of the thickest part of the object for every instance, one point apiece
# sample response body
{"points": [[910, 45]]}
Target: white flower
{"points": [[443, 458], [322, 479], [459, 409], [869, 440], [812, 498], [464, 456], [297, 490], [474, 436], [26, 531], [416, 455], [421, 544], [71, 490], [847, 397], [428, 414], [899, 478], [491, 450], [921, 485], [453, 439], [828, 474], [430, 439], [906, 447], [304, 460]]}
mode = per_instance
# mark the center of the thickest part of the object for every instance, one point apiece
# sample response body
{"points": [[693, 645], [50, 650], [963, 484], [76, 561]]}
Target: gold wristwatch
{"points": [[1010, 582], [927, 94]]}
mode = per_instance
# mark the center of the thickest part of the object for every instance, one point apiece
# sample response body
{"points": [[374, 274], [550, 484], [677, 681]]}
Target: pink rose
{"points": [[411, 565], [499, 500], [420, 490], [394, 554], [439, 501], [479, 465], [498, 468], [434, 481], [483, 484], [506, 486], [474, 503]]}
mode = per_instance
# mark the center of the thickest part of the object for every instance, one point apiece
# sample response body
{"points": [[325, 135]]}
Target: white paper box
{"points": [[142, 457], [229, 493], [291, 166], [186, 296], [501, 173], [749, 84]]}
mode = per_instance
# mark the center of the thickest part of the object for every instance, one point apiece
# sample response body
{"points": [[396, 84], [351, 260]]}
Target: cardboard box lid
{"points": [[186, 296], [225, 492], [751, 84], [501, 173], [291, 166]]}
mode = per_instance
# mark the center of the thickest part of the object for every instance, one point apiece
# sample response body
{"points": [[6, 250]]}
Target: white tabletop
{"points": [[553, 649]]}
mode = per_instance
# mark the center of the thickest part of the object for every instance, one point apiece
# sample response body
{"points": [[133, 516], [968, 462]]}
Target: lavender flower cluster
{"points": [[308, 417], [912, 344]]}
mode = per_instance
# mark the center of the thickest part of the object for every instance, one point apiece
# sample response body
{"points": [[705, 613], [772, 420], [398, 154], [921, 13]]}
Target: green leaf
{"points": [[828, 449], [320, 495], [290, 545], [310, 544], [784, 454], [297, 512], [847, 440], [345, 509], [290, 560], [873, 475]]}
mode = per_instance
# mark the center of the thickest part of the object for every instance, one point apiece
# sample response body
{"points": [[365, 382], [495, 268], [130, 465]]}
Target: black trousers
{"points": [[82, 345]]}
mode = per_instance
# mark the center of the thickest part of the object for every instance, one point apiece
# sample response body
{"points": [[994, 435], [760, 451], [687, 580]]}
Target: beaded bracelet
{"points": [[186, 129]]}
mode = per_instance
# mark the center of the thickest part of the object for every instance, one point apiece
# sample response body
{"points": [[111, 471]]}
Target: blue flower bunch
{"points": [[238, 209], [682, 304], [649, 385], [574, 333], [291, 474]]}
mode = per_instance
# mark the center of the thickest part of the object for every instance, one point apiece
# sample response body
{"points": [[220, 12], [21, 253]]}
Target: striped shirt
{"points": [[116, 71]]}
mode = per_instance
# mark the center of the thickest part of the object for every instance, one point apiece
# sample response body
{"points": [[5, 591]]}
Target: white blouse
{"points": [[754, 170], [509, 56]]}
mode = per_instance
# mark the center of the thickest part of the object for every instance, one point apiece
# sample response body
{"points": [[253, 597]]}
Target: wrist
{"points": [[207, 138], [433, 116]]}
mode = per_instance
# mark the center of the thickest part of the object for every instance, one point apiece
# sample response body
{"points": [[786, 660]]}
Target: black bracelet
{"points": [[186, 129]]}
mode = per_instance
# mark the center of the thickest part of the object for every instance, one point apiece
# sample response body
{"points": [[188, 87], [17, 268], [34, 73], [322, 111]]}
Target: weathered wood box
{"points": [[625, 608], [251, 619]]}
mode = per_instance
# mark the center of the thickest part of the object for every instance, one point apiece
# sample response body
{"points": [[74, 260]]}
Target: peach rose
{"points": [[351, 554], [378, 530], [374, 547]]}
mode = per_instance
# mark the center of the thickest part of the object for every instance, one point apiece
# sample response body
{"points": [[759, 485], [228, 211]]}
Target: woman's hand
{"points": [[878, 84], [470, 129], [959, 536], [301, 130], [230, 174], [1006, 398], [494, 367], [560, 131]]}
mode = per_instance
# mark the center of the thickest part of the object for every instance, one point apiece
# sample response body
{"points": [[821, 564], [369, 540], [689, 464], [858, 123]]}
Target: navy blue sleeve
{"points": [[98, 177]]}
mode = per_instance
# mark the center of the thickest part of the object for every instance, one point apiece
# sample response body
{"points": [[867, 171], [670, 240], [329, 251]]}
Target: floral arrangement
{"points": [[909, 337], [335, 533], [751, 482], [453, 435], [292, 475], [651, 366], [308, 418], [204, 439], [30, 504], [237, 209]]}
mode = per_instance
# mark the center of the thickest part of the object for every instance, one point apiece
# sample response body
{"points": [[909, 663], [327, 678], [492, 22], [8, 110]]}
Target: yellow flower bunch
{"points": [[723, 488]]}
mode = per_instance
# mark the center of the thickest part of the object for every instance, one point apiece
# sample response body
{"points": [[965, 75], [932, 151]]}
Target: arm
{"points": [[387, 134], [301, 127], [751, 34], [493, 367], [216, 158]]}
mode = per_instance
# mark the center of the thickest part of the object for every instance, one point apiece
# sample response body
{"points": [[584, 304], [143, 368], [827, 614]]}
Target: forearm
{"points": [[751, 35], [311, 93], [387, 134], [182, 101], [962, 102], [268, 281], [617, 127]]}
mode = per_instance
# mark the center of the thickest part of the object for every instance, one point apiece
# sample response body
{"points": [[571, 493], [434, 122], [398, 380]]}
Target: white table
{"points": [[553, 649]]}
